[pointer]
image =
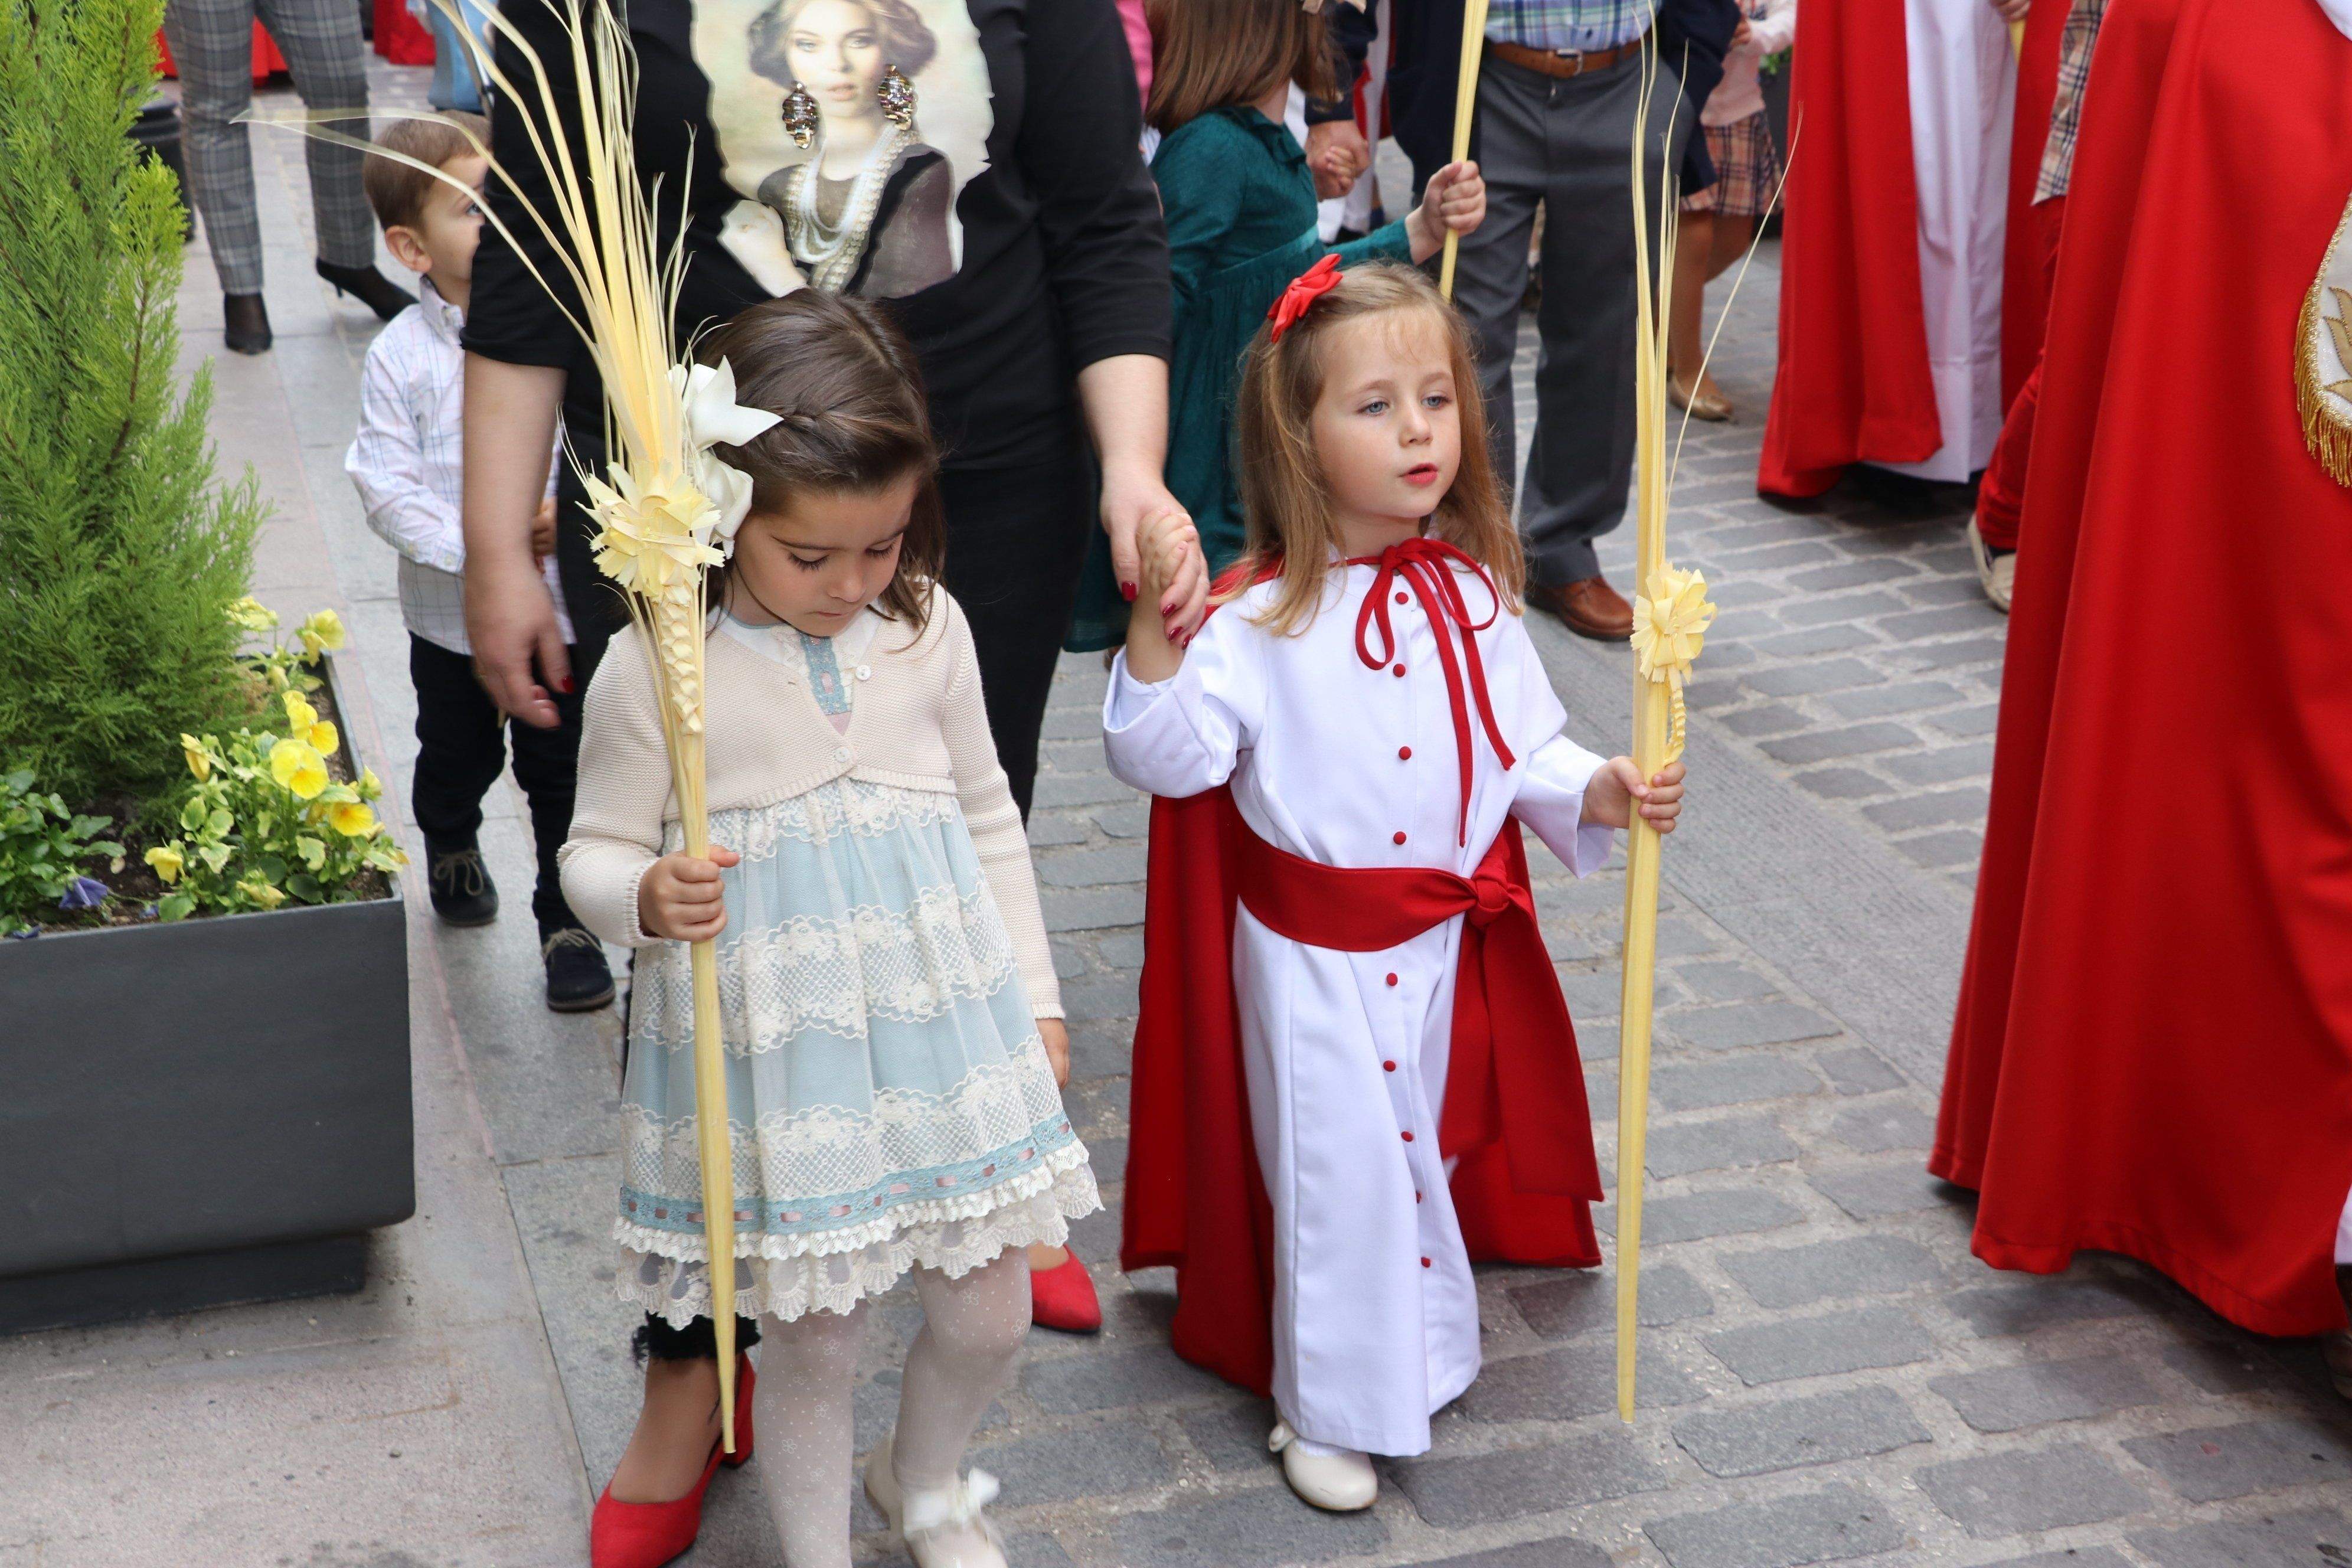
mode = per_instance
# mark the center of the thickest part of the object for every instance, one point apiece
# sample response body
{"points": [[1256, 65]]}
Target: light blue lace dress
{"points": [[890, 1102]]}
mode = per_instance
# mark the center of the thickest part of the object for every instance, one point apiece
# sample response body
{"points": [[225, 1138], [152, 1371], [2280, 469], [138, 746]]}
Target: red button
{"points": [[1391, 979], [1404, 754], [1400, 836], [1388, 1066], [1397, 672], [1400, 598], [1425, 1263], [1408, 1136], [1416, 1197]]}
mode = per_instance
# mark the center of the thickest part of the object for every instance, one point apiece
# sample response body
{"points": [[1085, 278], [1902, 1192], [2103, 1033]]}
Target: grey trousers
{"points": [[212, 44], [1568, 145]]}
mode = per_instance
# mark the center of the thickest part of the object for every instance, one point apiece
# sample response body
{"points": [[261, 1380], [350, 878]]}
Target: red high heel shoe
{"points": [[649, 1534], [1063, 1297]]}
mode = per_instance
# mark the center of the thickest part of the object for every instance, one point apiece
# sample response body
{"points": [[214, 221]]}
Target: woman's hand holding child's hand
{"points": [[1174, 599], [1455, 201], [1617, 783], [681, 897]]}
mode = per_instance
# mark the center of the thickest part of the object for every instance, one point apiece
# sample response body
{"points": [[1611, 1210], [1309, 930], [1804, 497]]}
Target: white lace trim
{"points": [[666, 1273], [844, 806], [834, 974], [994, 1117]]}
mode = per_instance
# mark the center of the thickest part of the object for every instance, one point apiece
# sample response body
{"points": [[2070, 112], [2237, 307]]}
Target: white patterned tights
{"points": [[972, 1330]]}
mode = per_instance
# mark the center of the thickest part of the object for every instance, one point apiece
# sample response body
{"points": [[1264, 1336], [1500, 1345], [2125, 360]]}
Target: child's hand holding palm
{"points": [[1455, 201], [1616, 785]]}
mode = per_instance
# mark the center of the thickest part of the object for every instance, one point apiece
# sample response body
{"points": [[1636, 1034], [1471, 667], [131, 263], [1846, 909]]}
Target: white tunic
{"points": [[1963, 77], [1376, 1316]]}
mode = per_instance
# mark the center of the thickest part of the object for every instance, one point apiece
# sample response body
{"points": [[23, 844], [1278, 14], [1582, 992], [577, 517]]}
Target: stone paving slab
{"points": [[1827, 1375]]}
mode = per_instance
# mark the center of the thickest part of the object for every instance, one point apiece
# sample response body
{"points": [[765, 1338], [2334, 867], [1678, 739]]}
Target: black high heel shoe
{"points": [[245, 324], [376, 291]]}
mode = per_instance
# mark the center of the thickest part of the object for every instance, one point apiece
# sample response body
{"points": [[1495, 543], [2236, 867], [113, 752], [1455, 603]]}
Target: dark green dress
{"points": [[1240, 207]]}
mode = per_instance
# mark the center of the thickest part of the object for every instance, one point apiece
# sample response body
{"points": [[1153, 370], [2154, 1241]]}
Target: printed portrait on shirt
{"points": [[848, 127]]}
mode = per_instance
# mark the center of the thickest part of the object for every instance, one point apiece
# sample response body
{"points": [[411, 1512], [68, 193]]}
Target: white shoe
{"points": [[944, 1527], [1338, 1481], [1997, 572]]}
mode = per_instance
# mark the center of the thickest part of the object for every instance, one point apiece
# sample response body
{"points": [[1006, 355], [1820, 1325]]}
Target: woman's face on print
{"points": [[836, 51]]}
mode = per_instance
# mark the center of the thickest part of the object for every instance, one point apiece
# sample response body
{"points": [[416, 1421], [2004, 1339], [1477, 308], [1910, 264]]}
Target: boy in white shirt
{"points": [[407, 463]]}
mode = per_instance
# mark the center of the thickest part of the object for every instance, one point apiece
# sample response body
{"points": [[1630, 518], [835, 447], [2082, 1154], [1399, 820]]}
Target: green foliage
{"points": [[263, 824], [119, 551], [43, 848]]}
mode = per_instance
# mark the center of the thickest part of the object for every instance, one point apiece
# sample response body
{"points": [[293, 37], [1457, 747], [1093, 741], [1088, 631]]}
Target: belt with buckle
{"points": [[1562, 63]]}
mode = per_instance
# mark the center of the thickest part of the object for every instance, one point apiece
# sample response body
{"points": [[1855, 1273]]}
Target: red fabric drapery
{"points": [[2153, 1049]]}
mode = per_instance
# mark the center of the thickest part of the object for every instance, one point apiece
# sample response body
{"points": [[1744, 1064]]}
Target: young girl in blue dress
{"points": [[890, 1011]]}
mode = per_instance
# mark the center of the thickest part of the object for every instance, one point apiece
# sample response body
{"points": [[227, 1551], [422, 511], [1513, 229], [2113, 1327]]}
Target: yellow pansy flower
{"points": [[200, 761], [298, 765], [306, 726], [352, 821], [323, 632], [251, 615], [370, 787], [166, 861], [261, 893]]}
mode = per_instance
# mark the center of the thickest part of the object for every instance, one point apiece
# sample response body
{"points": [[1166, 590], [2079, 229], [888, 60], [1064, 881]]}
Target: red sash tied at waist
{"points": [[1523, 1091]]}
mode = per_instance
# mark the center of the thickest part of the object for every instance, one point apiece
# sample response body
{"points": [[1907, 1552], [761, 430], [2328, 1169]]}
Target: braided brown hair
{"points": [[842, 380]]}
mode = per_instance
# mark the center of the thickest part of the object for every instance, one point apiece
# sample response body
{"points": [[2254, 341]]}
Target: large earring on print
{"points": [[897, 97], [799, 116]]}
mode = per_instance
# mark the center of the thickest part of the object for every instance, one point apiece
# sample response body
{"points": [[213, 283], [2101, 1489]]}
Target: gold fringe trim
{"points": [[2326, 414]]}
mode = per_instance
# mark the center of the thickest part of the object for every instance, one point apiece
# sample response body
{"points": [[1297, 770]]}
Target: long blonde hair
{"points": [[1285, 493]]}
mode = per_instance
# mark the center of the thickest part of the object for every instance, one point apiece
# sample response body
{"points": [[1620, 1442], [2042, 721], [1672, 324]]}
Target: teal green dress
{"points": [[1240, 207]]}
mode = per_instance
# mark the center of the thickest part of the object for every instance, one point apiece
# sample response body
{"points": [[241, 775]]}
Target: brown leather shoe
{"points": [[1588, 607]]}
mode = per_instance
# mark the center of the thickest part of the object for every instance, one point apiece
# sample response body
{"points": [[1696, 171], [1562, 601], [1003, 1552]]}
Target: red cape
{"points": [[1194, 1196], [2024, 294], [1854, 382], [2153, 1050]]}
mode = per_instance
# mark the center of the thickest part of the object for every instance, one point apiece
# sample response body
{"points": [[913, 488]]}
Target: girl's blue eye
{"points": [[1435, 400], [1377, 405]]}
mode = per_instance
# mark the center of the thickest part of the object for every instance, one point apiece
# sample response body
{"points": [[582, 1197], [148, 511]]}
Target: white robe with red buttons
{"points": [[1376, 1315]]}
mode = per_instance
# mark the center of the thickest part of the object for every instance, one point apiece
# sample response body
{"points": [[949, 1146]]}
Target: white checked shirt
{"points": [[409, 465]]}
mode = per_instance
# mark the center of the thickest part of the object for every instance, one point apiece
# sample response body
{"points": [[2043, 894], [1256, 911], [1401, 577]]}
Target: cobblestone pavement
{"points": [[1826, 1374]]}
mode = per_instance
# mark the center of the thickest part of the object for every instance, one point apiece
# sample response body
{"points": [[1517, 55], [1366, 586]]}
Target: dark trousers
{"points": [[461, 742], [1016, 543], [1565, 144]]}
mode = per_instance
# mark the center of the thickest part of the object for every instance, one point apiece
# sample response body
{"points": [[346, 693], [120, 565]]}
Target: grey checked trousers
{"points": [[1568, 145], [212, 44]]}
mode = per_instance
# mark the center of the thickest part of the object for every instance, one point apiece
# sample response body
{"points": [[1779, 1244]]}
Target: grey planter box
{"points": [[209, 1111]]}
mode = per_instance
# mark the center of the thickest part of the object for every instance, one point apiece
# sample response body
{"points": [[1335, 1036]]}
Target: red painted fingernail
{"points": [[1127, 590], [566, 685]]}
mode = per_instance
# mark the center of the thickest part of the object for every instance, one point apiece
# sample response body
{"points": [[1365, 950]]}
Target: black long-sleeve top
{"points": [[1064, 263]]}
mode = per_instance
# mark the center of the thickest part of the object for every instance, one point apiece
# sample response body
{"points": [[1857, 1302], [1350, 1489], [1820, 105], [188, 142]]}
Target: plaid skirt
{"points": [[1747, 169]]}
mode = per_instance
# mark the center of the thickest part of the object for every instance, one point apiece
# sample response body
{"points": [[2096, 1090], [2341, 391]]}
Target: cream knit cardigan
{"points": [[916, 723]]}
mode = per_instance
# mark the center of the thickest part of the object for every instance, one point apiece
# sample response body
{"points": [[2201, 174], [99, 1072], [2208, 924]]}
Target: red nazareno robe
{"points": [[2153, 1051], [1854, 382], [2024, 300]]}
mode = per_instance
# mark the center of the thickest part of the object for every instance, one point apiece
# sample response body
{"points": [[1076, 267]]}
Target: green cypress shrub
{"points": [[118, 549]]}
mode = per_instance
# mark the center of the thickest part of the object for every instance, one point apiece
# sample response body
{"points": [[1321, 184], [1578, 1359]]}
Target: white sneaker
{"points": [[944, 1527], [1338, 1481], [1998, 572]]}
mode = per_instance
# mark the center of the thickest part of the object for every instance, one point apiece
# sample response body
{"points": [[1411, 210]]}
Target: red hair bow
{"points": [[1300, 292]]}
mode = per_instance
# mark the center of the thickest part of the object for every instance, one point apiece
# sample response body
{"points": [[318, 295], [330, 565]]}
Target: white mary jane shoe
{"points": [[943, 1527], [1340, 1482]]}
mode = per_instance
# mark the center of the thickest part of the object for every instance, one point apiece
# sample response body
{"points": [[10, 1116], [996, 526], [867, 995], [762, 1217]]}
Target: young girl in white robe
{"points": [[1368, 694]]}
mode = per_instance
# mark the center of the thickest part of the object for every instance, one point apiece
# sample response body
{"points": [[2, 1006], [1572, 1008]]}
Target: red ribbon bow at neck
{"points": [[1427, 566], [1300, 292]]}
